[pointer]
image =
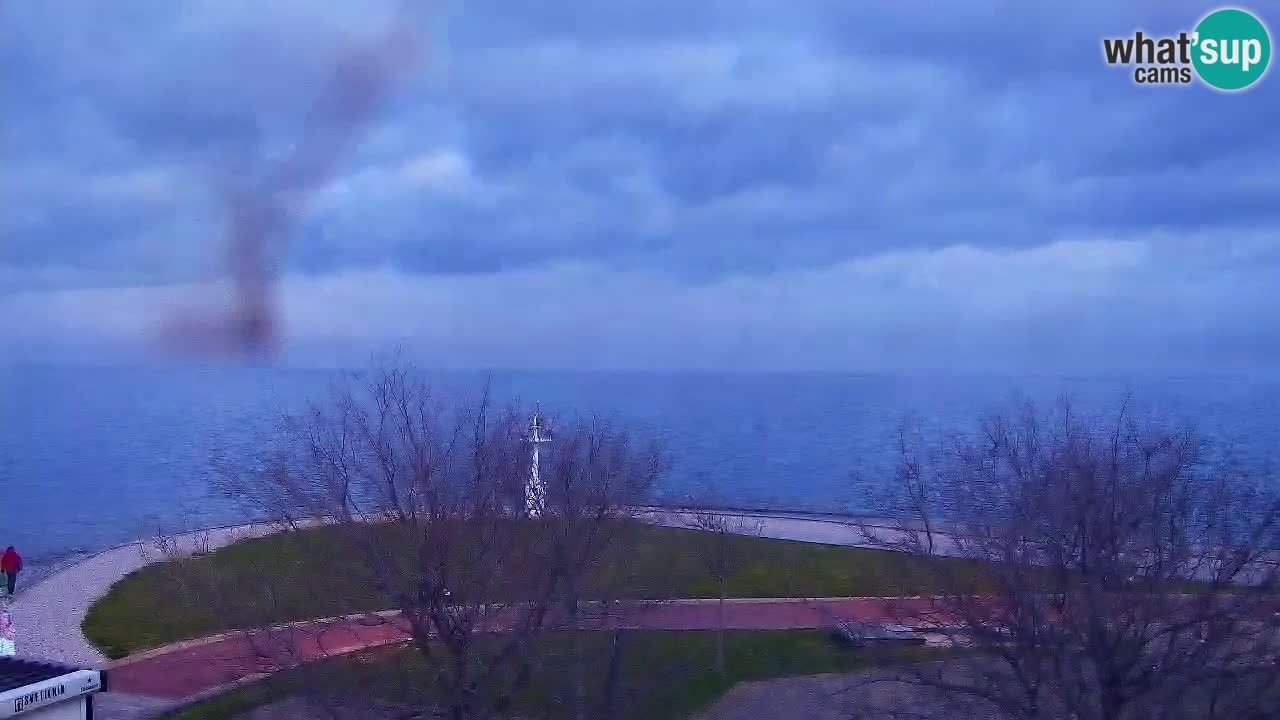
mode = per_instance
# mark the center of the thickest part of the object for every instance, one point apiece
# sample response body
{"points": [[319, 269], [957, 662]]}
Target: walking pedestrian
{"points": [[11, 565]]}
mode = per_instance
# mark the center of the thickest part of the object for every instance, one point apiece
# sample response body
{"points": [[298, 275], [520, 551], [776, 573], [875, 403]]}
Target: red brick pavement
{"points": [[191, 668]]}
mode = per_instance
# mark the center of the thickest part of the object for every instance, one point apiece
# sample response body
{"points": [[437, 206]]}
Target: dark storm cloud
{"points": [[727, 148]]}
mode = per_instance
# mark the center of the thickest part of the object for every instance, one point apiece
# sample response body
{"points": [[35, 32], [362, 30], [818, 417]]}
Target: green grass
{"points": [[294, 576], [663, 674]]}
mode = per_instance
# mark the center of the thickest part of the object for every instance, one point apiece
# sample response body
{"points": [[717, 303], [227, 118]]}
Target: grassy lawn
{"points": [[296, 575], [663, 674]]}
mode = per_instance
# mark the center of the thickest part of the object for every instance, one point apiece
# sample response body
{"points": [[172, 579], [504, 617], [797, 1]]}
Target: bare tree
{"points": [[723, 554], [428, 505], [1119, 570]]}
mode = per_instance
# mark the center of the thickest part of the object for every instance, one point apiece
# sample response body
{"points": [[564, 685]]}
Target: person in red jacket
{"points": [[11, 565]]}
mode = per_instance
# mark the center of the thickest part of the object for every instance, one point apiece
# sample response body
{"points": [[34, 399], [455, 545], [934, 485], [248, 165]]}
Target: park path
{"points": [[190, 669], [49, 613]]}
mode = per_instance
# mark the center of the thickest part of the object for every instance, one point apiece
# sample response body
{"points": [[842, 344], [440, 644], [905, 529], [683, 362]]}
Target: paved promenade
{"points": [[187, 669]]}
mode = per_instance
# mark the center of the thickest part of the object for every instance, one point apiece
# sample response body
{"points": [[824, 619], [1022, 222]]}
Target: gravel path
{"points": [[48, 614]]}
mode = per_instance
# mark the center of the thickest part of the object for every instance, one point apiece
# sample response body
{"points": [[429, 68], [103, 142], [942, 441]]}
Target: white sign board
{"points": [[48, 693]]}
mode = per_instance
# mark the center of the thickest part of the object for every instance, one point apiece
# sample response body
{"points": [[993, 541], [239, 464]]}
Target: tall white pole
{"points": [[535, 493]]}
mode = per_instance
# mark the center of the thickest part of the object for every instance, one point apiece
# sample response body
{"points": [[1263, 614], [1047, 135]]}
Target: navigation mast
{"points": [[535, 491]]}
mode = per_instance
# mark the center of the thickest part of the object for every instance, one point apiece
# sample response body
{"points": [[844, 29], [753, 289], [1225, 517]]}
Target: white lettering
{"points": [[40, 696], [1209, 50], [1252, 54], [1232, 57]]}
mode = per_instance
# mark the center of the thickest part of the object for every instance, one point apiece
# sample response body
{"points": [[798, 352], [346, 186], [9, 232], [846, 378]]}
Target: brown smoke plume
{"points": [[248, 324]]}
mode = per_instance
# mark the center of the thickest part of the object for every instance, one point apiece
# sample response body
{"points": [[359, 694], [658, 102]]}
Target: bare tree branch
{"points": [[422, 504], [1118, 570]]}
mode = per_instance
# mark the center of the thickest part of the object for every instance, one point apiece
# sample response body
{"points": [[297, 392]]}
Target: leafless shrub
{"points": [[166, 545], [202, 542]]}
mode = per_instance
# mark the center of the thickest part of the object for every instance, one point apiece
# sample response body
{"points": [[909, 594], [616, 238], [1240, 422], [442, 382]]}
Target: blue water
{"points": [[90, 457]]}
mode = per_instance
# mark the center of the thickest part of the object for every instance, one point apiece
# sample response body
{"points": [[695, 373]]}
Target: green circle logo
{"points": [[1232, 49]]}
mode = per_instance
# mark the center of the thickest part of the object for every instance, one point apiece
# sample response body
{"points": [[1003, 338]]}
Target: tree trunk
{"points": [[613, 687], [579, 663], [460, 709], [720, 668]]}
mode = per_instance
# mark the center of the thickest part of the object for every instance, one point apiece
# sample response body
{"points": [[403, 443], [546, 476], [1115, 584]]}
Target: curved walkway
{"points": [[48, 613]]}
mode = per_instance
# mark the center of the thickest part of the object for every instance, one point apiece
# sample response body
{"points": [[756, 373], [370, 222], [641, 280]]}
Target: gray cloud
{"points": [[696, 179], [963, 306]]}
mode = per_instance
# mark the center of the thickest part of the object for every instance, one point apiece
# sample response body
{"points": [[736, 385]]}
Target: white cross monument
{"points": [[535, 492]]}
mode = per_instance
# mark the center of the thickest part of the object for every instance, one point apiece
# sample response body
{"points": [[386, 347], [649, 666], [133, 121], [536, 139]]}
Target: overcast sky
{"points": [[760, 184]]}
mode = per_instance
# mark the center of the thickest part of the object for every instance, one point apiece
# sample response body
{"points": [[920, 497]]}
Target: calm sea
{"points": [[90, 457]]}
